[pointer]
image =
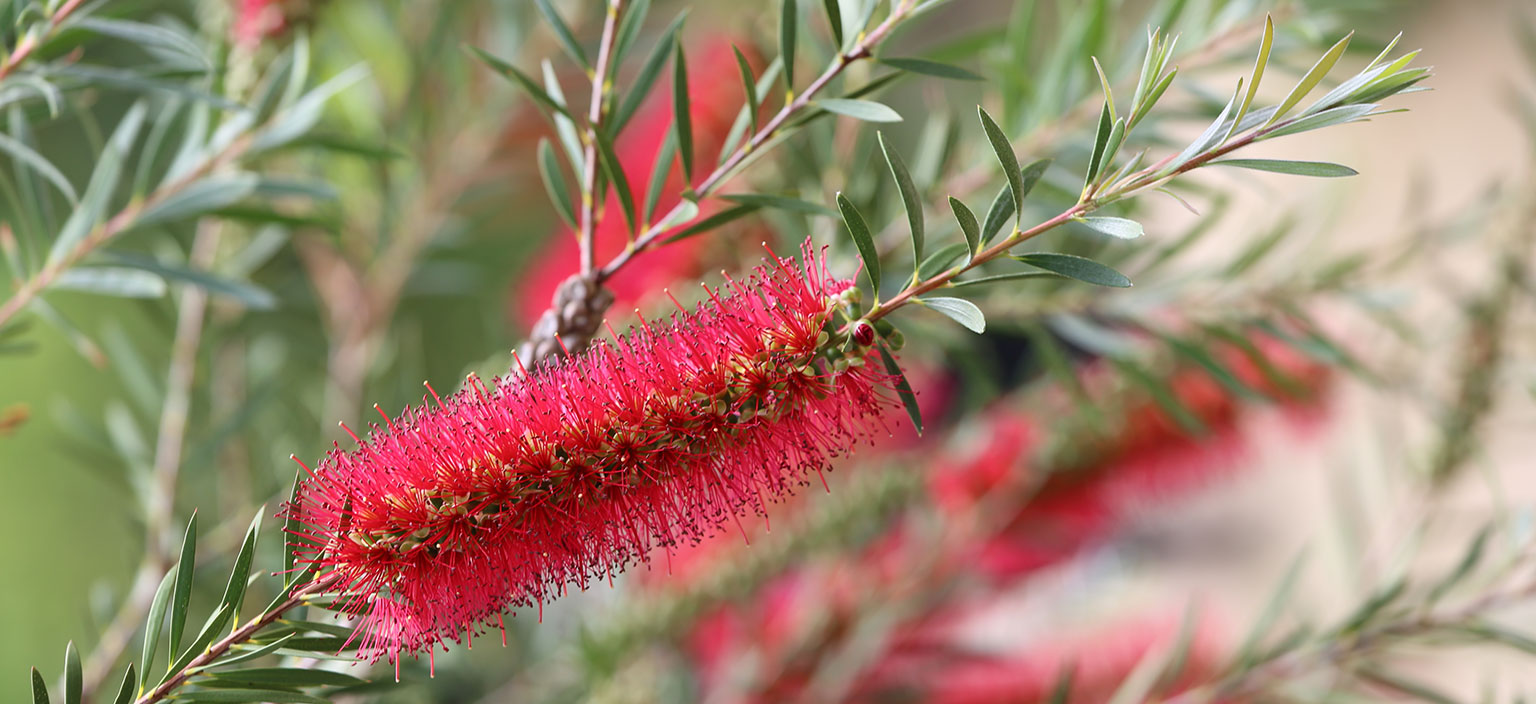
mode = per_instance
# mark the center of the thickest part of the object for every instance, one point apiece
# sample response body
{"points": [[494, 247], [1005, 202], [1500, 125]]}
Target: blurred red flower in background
{"points": [[1006, 518]]}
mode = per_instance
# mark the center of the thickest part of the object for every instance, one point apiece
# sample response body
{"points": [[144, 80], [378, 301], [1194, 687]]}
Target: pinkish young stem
{"points": [[600, 87], [240, 635]]}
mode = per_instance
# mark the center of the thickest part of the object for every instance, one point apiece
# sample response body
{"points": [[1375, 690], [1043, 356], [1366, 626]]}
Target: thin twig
{"points": [[242, 634], [1141, 181], [600, 89], [1336, 653], [160, 507], [29, 42], [109, 230]]}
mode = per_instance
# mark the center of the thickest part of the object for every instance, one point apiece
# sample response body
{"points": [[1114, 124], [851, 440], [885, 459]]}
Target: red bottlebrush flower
{"points": [[501, 497]]}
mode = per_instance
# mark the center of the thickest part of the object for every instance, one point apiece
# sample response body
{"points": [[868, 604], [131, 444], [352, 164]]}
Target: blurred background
{"points": [[410, 238]]}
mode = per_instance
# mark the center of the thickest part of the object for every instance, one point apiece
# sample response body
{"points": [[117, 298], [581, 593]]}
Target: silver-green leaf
{"points": [[866, 110], [1115, 227], [959, 310]]}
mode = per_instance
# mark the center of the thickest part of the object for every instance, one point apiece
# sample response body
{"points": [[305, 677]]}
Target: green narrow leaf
{"points": [[1314, 76], [629, 28], [39, 688], [1327, 118], [182, 597], [685, 211], [152, 626], [909, 200], [1075, 267], [660, 168], [959, 310], [1257, 75], [1203, 357], [941, 260], [287, 677], [748, 113], [749, 84], [253, 652], [239, 576], [563, 33], [72, 675], [834, 20], [1173, 670], [199, 198], [1008, 159], [145, 35], [787, 28], [1109, 95], [863, 240], [786, 203], [1061, 693], [1279, 599], [1010, 276], [1321, 169], [1137, 685], [1259, 248], [866, 110], [1112, 149], [714, 221], [968, 225], [1378, 601], [247, 293], [273, 696], [98, 192], [1150, 69], [1210, 138], [210, 630], [615, 173], [861, 21], [931, 68], [1403, 685], [294, 122], [291, 528], [1162, 395], [1503, 636], [1100, 141], [1469, 561], [554, 183], [1114, 227], [24, 154], [1152, 97], [903, 389], [997, 214], [126, 690], [1053, 358], [682, 117], [646, 78], [111, 281], [523, 81], [565, 127]]}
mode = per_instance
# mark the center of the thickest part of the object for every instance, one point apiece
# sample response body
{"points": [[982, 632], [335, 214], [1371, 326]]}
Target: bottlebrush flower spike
{"points": [[504, 496]]}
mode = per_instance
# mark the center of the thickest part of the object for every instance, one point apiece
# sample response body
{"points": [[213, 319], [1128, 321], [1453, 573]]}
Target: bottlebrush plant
{"points": [[307, 203]]}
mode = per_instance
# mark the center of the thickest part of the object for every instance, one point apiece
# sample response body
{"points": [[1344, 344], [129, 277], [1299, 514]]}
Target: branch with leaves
{"points": [[788, 362]]}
